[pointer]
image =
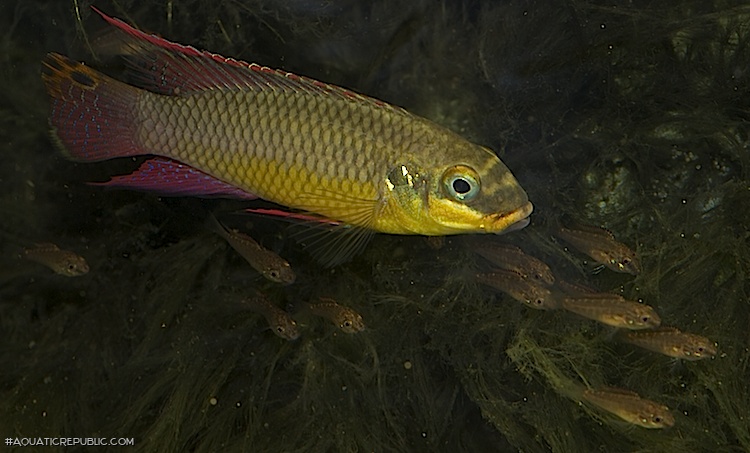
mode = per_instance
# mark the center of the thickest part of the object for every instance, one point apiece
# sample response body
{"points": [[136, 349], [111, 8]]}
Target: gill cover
{"points": [[433, 203]]}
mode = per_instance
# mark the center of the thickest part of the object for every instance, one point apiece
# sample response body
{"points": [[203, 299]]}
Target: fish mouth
{"points": [[510, 221]]}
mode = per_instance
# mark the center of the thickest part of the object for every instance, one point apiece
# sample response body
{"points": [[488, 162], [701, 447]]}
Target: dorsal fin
{"points": [[509, 273], [575, 289], [170, 68], [617, 391], [593, 230], [665, 329]]}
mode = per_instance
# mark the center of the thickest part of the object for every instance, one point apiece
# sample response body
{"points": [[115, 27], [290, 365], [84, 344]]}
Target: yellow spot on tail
{"points": [[59, 70]]}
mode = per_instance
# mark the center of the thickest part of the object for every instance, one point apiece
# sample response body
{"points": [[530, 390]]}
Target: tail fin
{"points": [[92, 116]]}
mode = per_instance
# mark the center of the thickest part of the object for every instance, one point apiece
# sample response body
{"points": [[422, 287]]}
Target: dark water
{"points": [[631, 117]]}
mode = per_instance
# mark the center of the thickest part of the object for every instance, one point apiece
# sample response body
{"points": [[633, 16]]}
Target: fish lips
{"points": [[506, 222]]}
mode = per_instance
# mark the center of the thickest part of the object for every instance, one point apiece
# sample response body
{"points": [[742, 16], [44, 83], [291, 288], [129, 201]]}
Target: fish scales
{"points": [[243, 128], [272, 148]]}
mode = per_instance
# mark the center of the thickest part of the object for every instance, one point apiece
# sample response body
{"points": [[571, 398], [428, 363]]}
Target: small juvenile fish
{"points": [[348, 320], [269, 264], [671, 342], [278, 320], [63, 262], [613, 310], [512, 258], [529, 292], [601, 246], [630, 407]]}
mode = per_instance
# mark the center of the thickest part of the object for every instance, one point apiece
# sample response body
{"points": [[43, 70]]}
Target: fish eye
{"points": [[461, 183], [347, 323], [461, 186], [626, 261], [645, 319], [274, 274]]}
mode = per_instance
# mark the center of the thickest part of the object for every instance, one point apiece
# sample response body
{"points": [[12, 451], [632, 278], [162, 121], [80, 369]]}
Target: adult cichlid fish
{"points": [[220, 126]]}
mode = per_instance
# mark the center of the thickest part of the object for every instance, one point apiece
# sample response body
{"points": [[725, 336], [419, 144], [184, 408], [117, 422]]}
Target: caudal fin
{"points": [[92, 116]]}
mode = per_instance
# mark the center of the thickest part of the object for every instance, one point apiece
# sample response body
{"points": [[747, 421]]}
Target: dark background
{"points": [[630, 117]]}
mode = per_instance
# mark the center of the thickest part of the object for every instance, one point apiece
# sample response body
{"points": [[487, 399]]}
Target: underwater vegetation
{"points": [[633, 118]]}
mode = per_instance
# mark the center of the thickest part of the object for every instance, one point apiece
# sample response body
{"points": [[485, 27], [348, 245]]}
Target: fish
{"points": [[512, 258], [63, 262], [346, 319], [630, 407], [280, 322], [613, 310], [221, 126], [671, 342], [528, 292], [269, 264], [602, 247]]}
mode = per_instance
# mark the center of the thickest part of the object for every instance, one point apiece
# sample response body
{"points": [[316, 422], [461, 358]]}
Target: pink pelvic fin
{"points": [[171, 178]]}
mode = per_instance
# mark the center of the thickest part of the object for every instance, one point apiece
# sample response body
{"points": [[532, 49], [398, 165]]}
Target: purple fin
{"points": [[92, 116], [166, 67], [172, 178]]}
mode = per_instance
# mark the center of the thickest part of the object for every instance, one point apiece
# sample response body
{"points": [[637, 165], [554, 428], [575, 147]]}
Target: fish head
{"points": [[696, 347], [350, 321], [640, 317], [466, 191], [286, 328], [280, 272], [543, 275], [73, 265], [539, 298], [623, 260], [654, 416]]}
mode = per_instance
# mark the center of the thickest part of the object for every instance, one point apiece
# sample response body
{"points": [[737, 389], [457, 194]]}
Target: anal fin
{"points": [[171, 178]]}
